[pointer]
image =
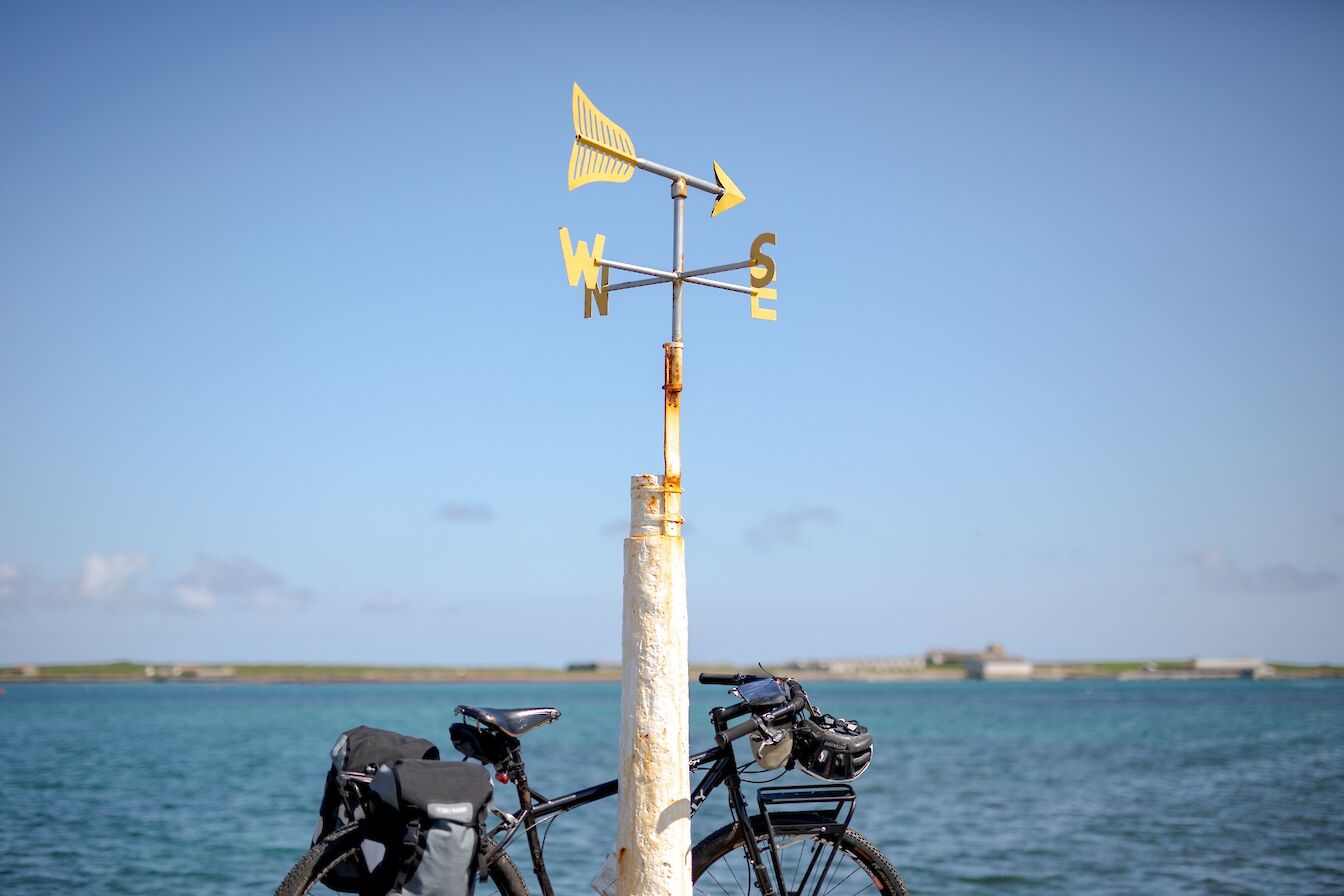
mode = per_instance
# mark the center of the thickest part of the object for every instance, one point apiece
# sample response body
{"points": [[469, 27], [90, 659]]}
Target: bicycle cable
{"points": [[742, 768], [546, 833]]}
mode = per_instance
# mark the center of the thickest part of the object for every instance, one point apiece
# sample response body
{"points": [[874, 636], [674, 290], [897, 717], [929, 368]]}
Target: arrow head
{"points": [[731, 195]]}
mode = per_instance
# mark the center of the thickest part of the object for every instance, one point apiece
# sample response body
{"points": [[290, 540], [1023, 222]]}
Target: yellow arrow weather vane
{"points": [[603, 151]]}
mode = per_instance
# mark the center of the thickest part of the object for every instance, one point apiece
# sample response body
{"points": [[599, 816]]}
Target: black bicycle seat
{"points": [[513, 722]]}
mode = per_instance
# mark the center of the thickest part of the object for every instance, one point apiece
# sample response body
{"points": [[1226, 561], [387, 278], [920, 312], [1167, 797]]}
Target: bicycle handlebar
{"points": [[797, 703], [728, 735], [729, 678]]}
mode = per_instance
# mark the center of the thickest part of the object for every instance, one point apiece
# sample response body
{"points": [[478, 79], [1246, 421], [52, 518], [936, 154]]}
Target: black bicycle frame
{"points": [[533, 807]]}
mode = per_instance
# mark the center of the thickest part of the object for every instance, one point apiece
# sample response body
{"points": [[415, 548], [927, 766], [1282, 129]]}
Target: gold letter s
{"points": [[760, 261]]}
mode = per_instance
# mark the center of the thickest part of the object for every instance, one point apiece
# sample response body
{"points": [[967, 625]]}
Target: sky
{"points": [[290, 369]]}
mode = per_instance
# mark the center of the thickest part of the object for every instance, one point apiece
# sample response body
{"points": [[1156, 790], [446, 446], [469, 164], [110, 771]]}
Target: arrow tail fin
{"points": [[603, 151]]}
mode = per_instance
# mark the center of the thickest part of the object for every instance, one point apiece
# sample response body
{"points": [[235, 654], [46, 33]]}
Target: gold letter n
{"points": [[598, 293]]}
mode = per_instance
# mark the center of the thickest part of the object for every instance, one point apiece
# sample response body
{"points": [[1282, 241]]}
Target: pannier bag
{"points": [[438, 809], [362, 750]]}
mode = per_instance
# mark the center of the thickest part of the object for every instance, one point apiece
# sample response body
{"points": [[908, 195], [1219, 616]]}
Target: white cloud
{"points": [[787, 527], [102, 579], [1219, 572], [194, 597], [104, 575], [108, 580], [213, 582]]}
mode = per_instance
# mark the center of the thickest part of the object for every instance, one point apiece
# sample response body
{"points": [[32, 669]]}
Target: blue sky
{"points": [[289, 368]]}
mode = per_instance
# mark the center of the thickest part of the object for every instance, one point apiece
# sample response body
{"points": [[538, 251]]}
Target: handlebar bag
{"points": [[361, 749], [432, 816]]}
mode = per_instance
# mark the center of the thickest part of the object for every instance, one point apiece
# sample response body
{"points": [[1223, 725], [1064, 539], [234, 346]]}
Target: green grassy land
{"points": [[1116, 668], [1321, 670], [111, 671], [129, 671], [126, 670]]}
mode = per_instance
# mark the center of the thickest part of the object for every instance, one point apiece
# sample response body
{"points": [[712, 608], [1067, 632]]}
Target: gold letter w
{"points": [[578, 263]]}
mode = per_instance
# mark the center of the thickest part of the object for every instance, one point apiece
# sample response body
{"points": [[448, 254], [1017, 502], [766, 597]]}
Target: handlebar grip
{"points": [[724, 713], [733, 678], [796, 705], [731, 734]]}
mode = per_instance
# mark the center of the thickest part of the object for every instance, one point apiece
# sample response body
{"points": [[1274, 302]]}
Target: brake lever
{"points": [[771, 735]]}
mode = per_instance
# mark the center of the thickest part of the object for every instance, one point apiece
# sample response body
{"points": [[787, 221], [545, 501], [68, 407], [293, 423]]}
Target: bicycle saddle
{"points": [[513, 722]]}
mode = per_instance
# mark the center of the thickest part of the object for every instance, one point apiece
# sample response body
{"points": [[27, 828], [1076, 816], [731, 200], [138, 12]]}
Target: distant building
{"points": [[999, 669], [592, 666], [1240, 666], [1203, 668], [862, 666], [943, 656], [194, 671]]}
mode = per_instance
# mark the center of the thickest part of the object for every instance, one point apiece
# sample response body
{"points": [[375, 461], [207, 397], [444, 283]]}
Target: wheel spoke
{"points": [[798, 866], [818, 868], [841, 881], [710, 874], [746, 891], [329, 863]]}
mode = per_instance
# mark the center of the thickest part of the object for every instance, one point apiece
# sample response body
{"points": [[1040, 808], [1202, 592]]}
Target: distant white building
{"points": [[1004, 669], [1244, 666], [193, 671], [863, 665]]}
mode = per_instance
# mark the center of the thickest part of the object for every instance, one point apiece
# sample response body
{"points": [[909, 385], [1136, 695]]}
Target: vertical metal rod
{"points": [[678, 251], [672, 374]]}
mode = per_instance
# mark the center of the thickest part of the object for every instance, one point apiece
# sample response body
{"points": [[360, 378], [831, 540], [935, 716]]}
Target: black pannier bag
{"points": [[361, 750], [431, 815]]}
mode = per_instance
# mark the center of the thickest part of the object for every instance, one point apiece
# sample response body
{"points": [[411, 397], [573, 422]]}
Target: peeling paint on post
{"points": [[654, 814], [672, 439]]}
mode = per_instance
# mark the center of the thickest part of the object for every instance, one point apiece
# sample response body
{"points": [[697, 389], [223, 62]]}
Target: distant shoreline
{"points": [[123, 672]]}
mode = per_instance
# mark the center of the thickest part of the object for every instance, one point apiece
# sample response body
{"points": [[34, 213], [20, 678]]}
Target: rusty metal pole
{"points": [[672, 371], [653, 816]]}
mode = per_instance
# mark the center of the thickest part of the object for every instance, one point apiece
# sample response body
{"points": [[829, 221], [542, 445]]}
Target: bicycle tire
{"points": [[307, 874], [719, 865]]}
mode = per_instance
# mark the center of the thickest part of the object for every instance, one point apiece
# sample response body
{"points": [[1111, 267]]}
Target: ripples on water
{"points": [[976, 788]]}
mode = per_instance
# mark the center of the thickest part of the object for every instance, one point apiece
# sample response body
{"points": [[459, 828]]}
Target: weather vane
{"points": [[603, 151], [653, 819]]}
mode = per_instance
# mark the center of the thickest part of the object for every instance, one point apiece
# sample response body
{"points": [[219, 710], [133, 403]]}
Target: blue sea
{"points": [[1228, 787]]}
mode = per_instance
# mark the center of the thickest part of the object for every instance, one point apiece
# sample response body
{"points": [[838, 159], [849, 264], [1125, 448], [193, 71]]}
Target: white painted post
{"points": [[653, 838], [654, 813]]}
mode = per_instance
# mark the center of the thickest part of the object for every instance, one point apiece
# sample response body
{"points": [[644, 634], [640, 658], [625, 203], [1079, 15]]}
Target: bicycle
{"points": [[801, 843]]}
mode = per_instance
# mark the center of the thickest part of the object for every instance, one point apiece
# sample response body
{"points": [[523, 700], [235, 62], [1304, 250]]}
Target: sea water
{"points": [[1219, 787]]}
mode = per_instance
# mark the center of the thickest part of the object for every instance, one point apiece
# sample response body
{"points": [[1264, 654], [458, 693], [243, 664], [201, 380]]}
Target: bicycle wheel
{"points": [[307, 875], [719, 865]]}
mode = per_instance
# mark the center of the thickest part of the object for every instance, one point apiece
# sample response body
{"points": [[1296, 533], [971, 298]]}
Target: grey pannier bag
{"points": [[432, 815], [360, 750]]}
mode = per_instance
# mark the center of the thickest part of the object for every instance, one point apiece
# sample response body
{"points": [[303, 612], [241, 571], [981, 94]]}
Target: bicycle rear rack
{"points": [[812, 809]]}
